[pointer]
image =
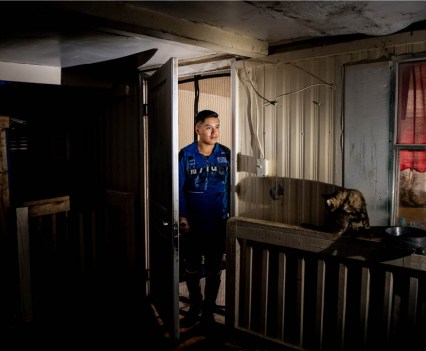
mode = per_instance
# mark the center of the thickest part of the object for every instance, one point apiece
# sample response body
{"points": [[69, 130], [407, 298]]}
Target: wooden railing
{"points": [[47, 213], [291, 288], [59, 248]]}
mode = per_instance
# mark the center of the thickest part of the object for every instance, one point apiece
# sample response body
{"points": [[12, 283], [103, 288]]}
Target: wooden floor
{"points": [[199, 339], [92, 317], [112, 316]]}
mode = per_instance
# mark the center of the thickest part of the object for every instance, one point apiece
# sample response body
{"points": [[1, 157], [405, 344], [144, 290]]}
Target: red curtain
{"points": [[411, 114]]}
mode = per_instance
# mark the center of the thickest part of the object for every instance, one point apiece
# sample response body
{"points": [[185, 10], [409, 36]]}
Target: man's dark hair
{"points": [[202, 115]]}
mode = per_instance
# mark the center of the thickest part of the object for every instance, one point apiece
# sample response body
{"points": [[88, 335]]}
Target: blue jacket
{"points": [[204, 184]]}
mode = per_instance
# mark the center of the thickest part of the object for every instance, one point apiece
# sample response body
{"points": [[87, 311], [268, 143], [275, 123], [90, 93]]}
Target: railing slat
{"points": [[301, 296], [388, 303], [264, 292], [282, 270], [341, 304], [365, 303], [319, 319], [413, 302], [23, 242], [248, 284], [330, 292]]}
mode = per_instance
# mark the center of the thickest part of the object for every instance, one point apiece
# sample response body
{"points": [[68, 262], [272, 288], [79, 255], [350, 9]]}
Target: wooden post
{"points": [[4, 181], [4, 177], [23, 239]]}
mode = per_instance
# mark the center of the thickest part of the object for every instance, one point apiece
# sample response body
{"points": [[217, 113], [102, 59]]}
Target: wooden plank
{"points": [[231, 289], [389, 42], [320, 306], [4, 122], [48, 206], [81, 241], [126, 203], [54, 233], [301, 273], [341, 305], [156, 24], [413, 300], [282, 270], [364, 303], [292, 236], [387, 304], [93, 233], [264, 291], [247, 269], [397, 309], [4, 175], [23, 242]]}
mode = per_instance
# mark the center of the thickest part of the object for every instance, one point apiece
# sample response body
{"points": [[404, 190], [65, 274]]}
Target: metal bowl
{"points": [[413, 239], [405, 232]]}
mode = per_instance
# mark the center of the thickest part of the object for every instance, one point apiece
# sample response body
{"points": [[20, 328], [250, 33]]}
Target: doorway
{"points": [[198, 92], [210, 91]]}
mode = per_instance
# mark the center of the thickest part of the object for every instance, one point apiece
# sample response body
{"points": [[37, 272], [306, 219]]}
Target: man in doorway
{"points": [[204, 179]]}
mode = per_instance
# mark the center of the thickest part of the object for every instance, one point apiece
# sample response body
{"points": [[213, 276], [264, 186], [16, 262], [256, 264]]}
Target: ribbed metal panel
{"points": [[285, 118], [186, 113], [214, 94], [290, 114]]}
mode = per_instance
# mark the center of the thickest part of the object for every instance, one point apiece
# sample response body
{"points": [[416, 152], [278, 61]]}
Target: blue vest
{"points": [[204, 184]]}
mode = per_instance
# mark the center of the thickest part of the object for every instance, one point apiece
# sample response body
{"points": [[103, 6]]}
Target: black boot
{"points": [[210, 295], [195, 299]]}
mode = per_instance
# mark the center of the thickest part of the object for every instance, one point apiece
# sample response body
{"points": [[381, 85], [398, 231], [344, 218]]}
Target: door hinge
{"points": [[144, 110]]}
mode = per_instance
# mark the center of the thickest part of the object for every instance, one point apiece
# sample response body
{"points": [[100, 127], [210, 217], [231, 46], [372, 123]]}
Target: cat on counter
{"points": [[347, 211]]}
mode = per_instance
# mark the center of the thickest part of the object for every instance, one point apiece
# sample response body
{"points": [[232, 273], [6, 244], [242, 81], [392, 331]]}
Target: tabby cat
{"points": [[347, 211]]}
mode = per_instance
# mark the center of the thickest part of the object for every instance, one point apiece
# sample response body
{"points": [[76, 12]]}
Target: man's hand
{"points": [[183, 225]]}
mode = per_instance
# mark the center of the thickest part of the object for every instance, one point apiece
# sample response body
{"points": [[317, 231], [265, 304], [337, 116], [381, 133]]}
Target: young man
{"points": [[204, 178]]}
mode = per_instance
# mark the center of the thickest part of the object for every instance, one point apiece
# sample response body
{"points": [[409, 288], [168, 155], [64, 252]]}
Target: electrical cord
{"points": [[275, 101]]}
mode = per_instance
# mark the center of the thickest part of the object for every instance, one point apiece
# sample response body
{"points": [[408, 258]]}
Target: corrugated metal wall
{"points": [[289, 114], [214, 94], [285, 111]]}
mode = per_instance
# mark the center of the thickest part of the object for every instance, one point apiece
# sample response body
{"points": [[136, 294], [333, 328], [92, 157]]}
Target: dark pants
{"points": [[207, 243]]}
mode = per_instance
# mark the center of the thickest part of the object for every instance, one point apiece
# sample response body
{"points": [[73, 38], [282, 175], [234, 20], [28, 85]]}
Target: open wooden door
{"points": [[163, 195]]}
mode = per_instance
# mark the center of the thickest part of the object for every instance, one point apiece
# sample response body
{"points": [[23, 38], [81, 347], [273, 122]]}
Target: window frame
{"points": [[396, 147]]}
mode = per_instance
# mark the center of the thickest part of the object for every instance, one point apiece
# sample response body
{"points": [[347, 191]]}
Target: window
{"points": [[410, 145]]}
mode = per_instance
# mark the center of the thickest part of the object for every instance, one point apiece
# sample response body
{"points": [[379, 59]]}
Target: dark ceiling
{"points": [[64, 34]]}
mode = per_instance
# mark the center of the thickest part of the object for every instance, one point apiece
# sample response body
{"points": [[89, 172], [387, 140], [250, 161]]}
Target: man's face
{"points": [[209, 130]]}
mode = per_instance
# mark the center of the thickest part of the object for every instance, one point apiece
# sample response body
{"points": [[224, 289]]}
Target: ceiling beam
{"points": [[386, 43], [138, 20]]}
